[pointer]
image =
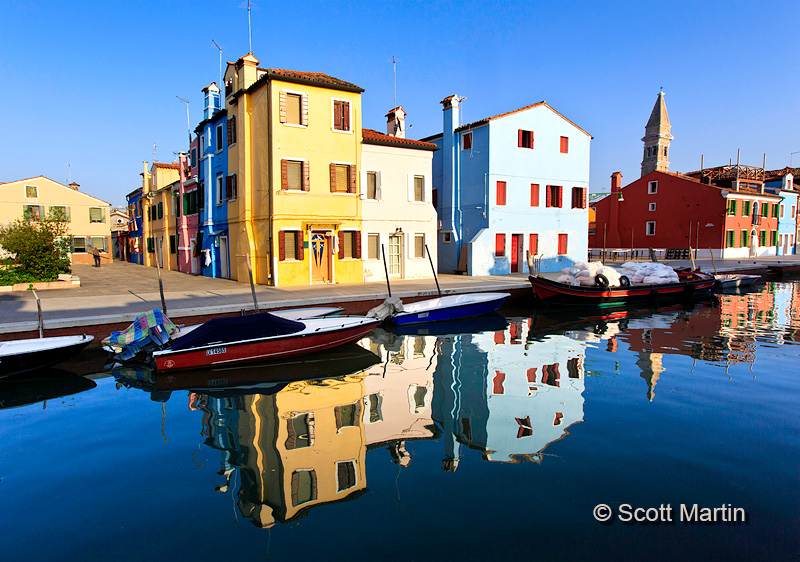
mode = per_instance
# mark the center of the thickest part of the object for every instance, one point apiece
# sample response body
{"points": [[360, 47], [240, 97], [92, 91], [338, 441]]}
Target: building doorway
{"points": [[192, 256], [224, 270], [394, 257], [516, 252], [321, 257]]}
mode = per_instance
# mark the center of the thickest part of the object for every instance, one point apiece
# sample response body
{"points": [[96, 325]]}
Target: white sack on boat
{"points": [[569, 280], [386, 308]]}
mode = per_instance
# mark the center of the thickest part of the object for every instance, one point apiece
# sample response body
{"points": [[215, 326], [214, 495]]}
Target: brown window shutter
{"points": [[282, 245], [304, 111], [306, 176], [351, 188], [232, 135], [228, 187], [341, 245], [282, 106], [284, 174], [229, 126], [358, 244], [333, 177], [345, 116], [300, 250], [547, 197], [337, 114], [519, 138], [560, 190]]}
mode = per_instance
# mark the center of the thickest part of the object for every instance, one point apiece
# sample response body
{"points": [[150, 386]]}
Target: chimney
{"points": [[211, 101], [616, 182], [396, 123], [74, 186]]}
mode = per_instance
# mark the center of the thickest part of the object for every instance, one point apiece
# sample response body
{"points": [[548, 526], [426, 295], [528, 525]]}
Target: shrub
{"points": [[41, 247]]}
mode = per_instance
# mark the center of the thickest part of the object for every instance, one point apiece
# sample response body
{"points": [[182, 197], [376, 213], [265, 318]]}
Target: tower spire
{"points": [[657, 138]]}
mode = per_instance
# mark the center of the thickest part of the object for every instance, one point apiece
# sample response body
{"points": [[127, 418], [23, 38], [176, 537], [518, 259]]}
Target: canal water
{"points": [[499, 438]]}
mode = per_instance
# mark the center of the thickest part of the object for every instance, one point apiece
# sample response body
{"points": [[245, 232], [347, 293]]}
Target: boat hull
{"points": [[265, 349], [736, 281], [551, 292], [449, 308], [24, 356]]}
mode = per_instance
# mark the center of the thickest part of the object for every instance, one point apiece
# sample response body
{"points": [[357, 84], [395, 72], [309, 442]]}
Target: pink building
{"points": [[190, 200]]}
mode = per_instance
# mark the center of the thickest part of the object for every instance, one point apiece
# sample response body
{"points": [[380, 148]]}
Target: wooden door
{"points": [[516, 246], [394, 257], [321, 255]]}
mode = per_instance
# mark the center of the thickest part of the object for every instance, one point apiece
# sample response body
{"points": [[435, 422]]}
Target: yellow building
{"points": [[159, 186], [302, 447], [293, 190], [88, 217]]}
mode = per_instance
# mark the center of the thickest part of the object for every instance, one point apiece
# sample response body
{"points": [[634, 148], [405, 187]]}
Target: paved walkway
{"points": [[120, 291]]}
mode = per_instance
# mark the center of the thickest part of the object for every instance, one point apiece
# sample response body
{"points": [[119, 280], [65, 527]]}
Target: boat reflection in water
{"points": [[295, 436], [41, 386]]}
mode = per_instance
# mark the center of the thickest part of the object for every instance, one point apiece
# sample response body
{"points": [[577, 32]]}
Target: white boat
{"points": [[22, 356], [735, 280], [451, 307]]}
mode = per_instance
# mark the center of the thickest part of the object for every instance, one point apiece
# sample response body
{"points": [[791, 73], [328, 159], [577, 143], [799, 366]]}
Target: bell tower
{"points": [[656, 139]]}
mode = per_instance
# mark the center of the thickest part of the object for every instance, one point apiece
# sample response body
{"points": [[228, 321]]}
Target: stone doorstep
{"points": [[65, 281]]}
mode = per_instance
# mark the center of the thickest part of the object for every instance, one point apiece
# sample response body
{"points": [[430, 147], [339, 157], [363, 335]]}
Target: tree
{"points": [[41, 247]]}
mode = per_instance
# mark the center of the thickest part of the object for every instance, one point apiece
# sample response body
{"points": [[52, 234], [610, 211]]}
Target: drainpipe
{"points": [[273, 266]]}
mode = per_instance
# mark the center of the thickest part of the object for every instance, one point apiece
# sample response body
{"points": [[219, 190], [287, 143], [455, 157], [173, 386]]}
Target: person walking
{"points": [[96, 254]]}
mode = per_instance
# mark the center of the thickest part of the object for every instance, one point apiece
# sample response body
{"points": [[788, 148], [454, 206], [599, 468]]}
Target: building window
{"points": [[419, 189], [202, 146], [345, 475], [745, 208], [97, 214], [765, 209], [220, 189], [775, 210], [419, 245], [524, 139], [375, 404], [781, 211], [349, 245], [652, 187], [501, 193], [60, 213], [190, 202], [34, 212], [341, 115], [343, 178], [230, 187], [533, 244], [372, 185], [553, 196], [499, 245], [730, 239], [173, 244], [762, 238], [564, 147], [160, 207], [652, 207], [732, 207], [578, 197], [219, 138], [294, 104], [347, 415], [373, 246], [773, 238], [31, 191], [650, 228], [562, 244], [743, 242], [99, 242], [231, 130], [79, 244], [292, 175], [534, 195], [304, 487], [447, 237], [467, 141], [300, 431], [291, 245]]}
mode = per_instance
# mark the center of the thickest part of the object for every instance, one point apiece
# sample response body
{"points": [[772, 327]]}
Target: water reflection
{"points": [[295, 437], [41, 386]]}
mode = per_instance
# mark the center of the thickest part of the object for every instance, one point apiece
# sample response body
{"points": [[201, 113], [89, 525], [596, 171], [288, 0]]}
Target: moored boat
{"points": [[690, 284], [451, 307], [22, 356], [735, 280]]}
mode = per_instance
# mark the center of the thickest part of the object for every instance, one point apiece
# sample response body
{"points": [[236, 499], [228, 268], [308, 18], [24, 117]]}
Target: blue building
{"points": [[135, 227], [514, 183], [212, 160], [781, 182]]}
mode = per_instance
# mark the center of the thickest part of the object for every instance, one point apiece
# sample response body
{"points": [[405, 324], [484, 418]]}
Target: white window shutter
{"points": [[378, 193], [411, 187], [428, 189], [304, 110]]}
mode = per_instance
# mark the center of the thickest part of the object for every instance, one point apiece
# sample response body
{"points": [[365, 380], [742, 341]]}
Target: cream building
{"points": [[88, 217]]}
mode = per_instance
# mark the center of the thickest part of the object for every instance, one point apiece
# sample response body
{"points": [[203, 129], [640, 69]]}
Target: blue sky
{"points": [[94, 84]]}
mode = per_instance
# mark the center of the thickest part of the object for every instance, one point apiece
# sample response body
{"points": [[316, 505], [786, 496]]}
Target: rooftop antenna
{"points": [[188, 124], [394, 69], [220, 63], [249, 28], [154, 152], [69, 173], [461, 113]]}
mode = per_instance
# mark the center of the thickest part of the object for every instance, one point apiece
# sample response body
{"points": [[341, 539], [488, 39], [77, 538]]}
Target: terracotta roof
{"points": [[171, 166], [318, 77], [746, 190], [506, 114], [371, 136]]}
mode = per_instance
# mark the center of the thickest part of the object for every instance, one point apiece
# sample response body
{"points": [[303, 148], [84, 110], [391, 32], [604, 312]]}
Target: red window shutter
{"points": [[534, 195], [500, 245], [337, 115], [333, 177], [467, 141], [358, 244], [501, 193], [497, 382], [519, 138], [306, 176], [499, 337], [304, 110], [548, 198], [284, 174], [559, 191], [351, 188], [583, 197], [300, 250], [564, 145], [534, 244], [341, 245], [562, 244], [282, 245]]}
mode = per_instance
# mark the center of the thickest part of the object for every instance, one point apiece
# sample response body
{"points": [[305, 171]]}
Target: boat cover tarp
{"points": [[237, 328], [140, 328]]}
